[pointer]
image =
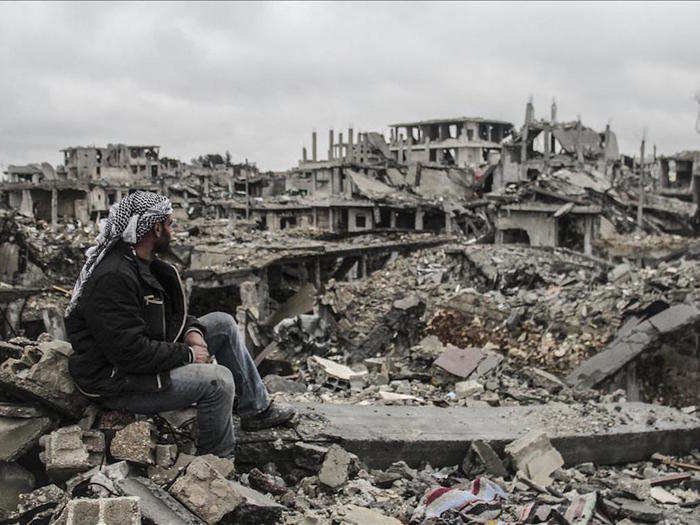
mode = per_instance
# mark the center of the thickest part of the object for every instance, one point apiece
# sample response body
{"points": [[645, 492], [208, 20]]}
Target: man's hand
{"points": [[201, 354], [194, 338]]}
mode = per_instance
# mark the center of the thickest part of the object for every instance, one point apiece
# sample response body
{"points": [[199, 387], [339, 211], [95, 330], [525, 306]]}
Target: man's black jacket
{"points": [[128, 326]]}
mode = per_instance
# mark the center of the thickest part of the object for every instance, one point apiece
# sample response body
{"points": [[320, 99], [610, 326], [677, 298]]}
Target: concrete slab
{"points": [[17, 435], [381, 435], [632, 340]]}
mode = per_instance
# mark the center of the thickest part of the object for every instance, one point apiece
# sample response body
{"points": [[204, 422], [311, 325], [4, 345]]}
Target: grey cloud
{"points": [[256, 78]]}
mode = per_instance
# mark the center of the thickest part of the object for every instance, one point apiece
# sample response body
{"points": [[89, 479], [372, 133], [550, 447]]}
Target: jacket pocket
{"points": [[155, 317]]}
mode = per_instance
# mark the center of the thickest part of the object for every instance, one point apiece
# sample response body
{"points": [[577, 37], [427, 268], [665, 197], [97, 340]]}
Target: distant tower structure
{"points": [[529, 111], [553, 114]]}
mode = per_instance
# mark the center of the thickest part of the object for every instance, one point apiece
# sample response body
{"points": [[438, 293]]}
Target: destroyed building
{"points": [[460, 141], [491, 342]]}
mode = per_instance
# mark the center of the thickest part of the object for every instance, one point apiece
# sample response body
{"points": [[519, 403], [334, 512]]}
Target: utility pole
{"points": [[247, 190], [640, 205]]}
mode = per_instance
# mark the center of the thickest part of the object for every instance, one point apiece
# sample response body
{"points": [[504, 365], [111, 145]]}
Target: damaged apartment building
{"points": [[361, 186]]}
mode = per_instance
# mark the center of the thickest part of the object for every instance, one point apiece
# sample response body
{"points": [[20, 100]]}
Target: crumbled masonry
{"points": [[469, 318]]}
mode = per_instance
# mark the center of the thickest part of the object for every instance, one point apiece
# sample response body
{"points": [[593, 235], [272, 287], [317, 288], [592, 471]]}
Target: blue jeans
{"points": [[212, 387]]}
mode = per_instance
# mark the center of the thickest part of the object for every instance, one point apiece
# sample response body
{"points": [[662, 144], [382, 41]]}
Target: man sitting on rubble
{"points": [[135, 347]]}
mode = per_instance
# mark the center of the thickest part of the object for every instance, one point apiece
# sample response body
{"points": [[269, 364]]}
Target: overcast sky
{"points": [[257, 78]]}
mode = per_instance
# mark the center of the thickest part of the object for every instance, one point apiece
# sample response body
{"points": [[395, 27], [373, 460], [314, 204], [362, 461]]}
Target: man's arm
{"points": [[116, 322]]}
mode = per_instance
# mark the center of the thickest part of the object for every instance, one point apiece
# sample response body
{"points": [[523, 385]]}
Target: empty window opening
{"points": [[515, 236]]}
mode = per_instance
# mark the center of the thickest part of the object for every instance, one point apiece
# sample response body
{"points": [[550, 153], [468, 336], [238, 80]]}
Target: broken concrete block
{"points": [[460, 362], [46, 381], [481, 459], [105, 477], [543, 379], [135, 443], [275, 384], [105, 511], [333, 369], [255, 507], [205, 492], [267, 483], [39, 500], [20, 410], [639, 510], [166, 455], [469, 388], [663, 496], [334, 471], [581, 510], [157, 506], [223, 466], [18, 435], [69, 450], [14, 480], [535, 457], [309, 456], [355, 515]]}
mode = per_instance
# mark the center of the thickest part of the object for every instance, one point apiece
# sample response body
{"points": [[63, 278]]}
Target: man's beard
{"points": [[162, 246]]}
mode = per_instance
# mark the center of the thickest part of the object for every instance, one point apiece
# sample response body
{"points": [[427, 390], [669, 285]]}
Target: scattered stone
{"points": [[543, 379], [135, 443], [469, 388], [535, 457], [223, 466], [166, 455], [664, 496], [356, 515], [204, 491], [157, 506], [275, 384], [255, 508], [40, 500], [481, 459], [70, 450], [309, 456], [581, 510], [334, 471], [639, 510], [46, 381], [266, 483]]}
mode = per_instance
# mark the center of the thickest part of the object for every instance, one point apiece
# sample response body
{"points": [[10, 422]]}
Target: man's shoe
{"points": [[277, 414]]}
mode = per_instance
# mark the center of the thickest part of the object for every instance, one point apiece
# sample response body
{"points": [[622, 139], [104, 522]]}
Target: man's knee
{"points": [[219, 322], [218, 379]]}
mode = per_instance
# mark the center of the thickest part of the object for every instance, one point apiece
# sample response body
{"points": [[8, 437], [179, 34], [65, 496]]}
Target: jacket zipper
{"points": [[184, 304]]}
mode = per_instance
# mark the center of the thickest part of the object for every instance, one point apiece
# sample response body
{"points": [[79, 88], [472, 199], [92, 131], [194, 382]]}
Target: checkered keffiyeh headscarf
{"points": [[129, 220]]}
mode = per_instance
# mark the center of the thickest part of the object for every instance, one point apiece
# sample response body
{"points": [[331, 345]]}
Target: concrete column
{"points": [[341, 153], [419, 218], [330, 144], [499, 237], [303, 154], [331, 219], [392, 219], [588, 235], [27, 205], [351, 153], [317, 273], [54, 209], [315, 216], [363, 266], [448, 222], [313, 146]]}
